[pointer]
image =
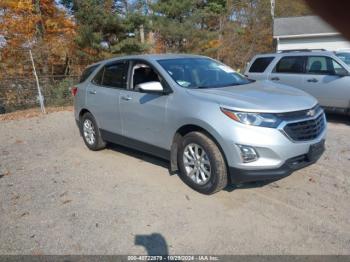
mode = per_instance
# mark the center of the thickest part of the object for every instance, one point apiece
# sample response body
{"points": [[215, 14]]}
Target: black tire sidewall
{"points": [[211, 185]]}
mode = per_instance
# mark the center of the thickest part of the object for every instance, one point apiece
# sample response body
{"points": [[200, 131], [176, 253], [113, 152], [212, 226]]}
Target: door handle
{"points": [[93, 92], [312, 80], [126, 98], [275, 78]]}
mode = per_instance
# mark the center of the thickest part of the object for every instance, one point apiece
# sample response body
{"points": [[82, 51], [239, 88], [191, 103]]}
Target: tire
{"points": [[217, 178], [92, 138]]}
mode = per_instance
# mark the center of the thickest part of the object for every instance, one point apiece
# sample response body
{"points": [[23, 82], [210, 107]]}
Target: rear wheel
{"points": [[201, 163], [91, 133]]}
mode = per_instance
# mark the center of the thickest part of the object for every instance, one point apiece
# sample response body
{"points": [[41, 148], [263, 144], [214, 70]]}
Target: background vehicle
{"points": [[214, 125], [320, 73]]}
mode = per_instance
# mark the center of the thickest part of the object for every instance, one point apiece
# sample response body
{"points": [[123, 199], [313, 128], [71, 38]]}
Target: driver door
{"points": [[322, 81], [143, 114]]}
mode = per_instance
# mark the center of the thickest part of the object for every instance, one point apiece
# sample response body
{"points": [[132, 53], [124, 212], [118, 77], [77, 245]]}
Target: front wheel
{"points": [[201, 163]]}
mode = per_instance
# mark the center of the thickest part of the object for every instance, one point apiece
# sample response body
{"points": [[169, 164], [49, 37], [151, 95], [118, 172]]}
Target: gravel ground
{"points": [[57, 197]]}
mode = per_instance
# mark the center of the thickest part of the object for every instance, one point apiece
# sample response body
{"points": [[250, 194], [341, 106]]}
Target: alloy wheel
{"points": [[197, 164]]}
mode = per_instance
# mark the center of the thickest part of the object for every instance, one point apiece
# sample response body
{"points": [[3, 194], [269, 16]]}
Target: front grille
{"points": [[305, 130], [295, 115]]}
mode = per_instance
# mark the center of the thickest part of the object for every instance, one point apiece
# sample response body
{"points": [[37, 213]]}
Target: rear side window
{"points": [[112, 75], [87, 72], [260, 64], [291, 64]]}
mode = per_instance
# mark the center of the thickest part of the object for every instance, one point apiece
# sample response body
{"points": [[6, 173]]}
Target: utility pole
{"points": [[273, 5], [142, 33], [40, 96], [272, 8]]}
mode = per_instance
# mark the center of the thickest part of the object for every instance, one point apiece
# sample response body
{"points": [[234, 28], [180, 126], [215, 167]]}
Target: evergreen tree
{"points": [[105, 28]]}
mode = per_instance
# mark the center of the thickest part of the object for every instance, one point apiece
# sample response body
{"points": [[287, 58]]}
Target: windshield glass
{"points": [[345, 57], [201, 73]]}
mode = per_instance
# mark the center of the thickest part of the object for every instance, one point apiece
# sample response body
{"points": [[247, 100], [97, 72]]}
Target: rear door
{"points": [[103, 95], [289, 70], [321, 80]]}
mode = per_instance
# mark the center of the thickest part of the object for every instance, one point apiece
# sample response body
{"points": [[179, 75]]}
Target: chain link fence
{"points": [[18, 86], [22, 93]]}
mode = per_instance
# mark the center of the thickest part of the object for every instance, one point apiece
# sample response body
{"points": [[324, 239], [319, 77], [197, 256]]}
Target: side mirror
{"points": [[342, 72], [150, 87]]}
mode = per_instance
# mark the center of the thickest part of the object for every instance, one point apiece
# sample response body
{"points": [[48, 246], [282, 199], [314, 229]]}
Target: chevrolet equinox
{"points": [[214, 125]]}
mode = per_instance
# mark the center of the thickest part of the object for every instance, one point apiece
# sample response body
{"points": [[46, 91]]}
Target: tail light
{"points": [[74, 91]]}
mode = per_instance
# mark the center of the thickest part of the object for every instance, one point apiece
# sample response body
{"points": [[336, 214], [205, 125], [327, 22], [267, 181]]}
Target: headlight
{"points": [[253, 119]]}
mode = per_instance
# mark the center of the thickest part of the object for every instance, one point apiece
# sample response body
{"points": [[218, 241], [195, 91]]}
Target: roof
{"points": [[296, 53], [148, 57], [301, 26]]}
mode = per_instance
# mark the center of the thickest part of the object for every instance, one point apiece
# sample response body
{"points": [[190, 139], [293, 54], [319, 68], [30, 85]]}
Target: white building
{"points": [[307, 32]]}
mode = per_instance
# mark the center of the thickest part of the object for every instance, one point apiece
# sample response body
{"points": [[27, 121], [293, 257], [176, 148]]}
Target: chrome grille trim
{"points": [[305, 129]]}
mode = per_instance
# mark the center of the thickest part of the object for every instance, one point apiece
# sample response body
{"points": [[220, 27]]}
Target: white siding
{"points": [[331, 43]]}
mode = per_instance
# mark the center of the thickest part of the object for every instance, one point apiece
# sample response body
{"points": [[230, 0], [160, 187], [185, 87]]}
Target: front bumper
{"points": [[238, 176]]}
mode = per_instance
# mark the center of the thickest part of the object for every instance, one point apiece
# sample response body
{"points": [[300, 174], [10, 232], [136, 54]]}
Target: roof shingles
{"points": [[301, 25]]}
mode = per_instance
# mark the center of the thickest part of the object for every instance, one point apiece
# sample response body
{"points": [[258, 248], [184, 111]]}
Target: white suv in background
{"points": [[323, 74]]}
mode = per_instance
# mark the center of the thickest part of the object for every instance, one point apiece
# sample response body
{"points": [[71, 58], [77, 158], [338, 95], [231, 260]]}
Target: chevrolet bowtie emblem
{"points": [[311, 112]]}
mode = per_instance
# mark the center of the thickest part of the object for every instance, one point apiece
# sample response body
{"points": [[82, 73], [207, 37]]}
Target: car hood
{"points": [[259, 96]]}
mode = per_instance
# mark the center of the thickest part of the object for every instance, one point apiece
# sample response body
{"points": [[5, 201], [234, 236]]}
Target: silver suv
{"points": [[323, 74], [214, 125]]}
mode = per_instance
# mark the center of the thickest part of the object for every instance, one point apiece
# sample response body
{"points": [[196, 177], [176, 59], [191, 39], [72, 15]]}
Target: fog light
{"points": [[248, 153]]}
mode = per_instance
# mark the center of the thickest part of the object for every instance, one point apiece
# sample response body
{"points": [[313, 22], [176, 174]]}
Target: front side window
{"points": [[260, 64], [201, 73], [112, 75], [345, 57], [323, 65], [291, 65], [338, 69], [143, 73], [320, 65]]}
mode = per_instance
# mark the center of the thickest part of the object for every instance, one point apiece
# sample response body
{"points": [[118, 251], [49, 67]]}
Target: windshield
{"points": [[201, 73], [345, 57]]}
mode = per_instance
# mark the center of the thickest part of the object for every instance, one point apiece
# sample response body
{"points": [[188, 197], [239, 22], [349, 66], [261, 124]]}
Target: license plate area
{"points": [[316, 150]]}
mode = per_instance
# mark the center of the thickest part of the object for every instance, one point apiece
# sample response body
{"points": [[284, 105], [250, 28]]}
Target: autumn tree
{"points": [[39, 25], [286, 8], [248, 28]]}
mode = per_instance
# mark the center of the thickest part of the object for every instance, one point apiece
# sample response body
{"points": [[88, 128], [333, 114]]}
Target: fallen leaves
{"points": [[24, 214], [6, 173], [66, 201], [34, 112], [312, 180]]}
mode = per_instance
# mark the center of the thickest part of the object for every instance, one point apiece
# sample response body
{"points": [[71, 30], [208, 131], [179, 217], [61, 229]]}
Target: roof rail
{"points": [[301, 50]]}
